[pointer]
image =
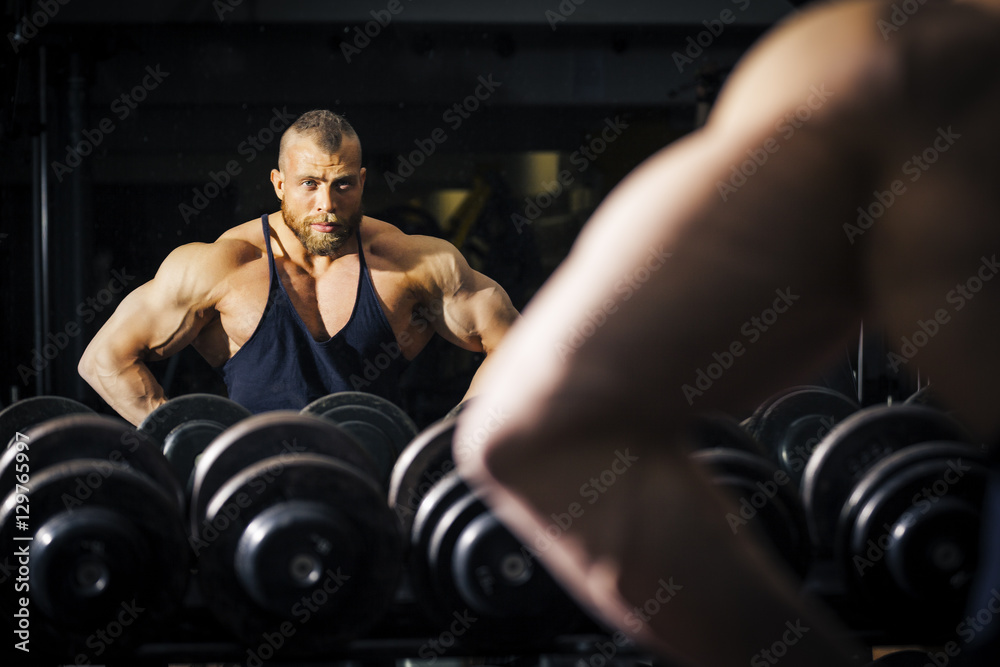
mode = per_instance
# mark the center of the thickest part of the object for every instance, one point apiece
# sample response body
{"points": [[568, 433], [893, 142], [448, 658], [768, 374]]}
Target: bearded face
{"points": [[320, 191], [321, 242]]}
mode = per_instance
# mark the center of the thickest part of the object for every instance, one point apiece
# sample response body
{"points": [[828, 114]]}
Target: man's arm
{"points": [[155, 321], [468, 308], [601, 377]]}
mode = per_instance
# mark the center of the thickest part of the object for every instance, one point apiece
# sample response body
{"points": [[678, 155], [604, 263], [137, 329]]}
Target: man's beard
{"points": [[322, 243]]}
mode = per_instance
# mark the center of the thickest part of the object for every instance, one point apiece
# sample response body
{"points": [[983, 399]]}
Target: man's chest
{"points": [[324, 305]]}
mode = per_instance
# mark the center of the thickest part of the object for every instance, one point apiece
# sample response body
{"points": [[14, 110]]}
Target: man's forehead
{"points": [[303, 152]]}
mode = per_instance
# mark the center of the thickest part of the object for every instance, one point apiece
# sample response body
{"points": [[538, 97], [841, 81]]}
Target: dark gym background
{"points": [[192, 157]]}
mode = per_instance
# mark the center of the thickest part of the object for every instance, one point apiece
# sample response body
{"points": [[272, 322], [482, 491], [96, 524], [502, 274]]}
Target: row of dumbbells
{"points": [[878, 509], [313, 525], [302, 529]]}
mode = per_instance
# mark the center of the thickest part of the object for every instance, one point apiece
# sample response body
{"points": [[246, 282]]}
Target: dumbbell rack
{"points": [[195, 633], [198, 638]]}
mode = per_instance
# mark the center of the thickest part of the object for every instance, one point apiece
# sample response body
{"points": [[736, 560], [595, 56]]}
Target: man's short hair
{"points": [[326, 128]]}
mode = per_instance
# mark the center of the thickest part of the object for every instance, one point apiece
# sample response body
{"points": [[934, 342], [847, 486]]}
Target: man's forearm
{"points": [[132, 390]]}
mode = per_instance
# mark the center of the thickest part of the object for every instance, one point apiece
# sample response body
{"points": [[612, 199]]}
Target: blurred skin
{"points": [[212, 295], [674, 266]]}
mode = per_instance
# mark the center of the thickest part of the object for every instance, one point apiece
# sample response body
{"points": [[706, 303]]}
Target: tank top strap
{"points": [[267, 243]]}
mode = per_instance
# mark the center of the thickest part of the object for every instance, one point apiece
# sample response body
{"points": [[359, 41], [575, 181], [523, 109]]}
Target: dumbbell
{"points": [[765, 496], [893, 496], [790, 424], [105, 560], [293, 533], [712, 430], [765, 501], [184, 426], [378, 424], [28, 412], [467, 572]]}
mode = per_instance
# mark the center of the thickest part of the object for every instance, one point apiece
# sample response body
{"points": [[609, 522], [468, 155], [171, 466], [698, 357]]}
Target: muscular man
{"points": [[303, 302], [848, 172]]}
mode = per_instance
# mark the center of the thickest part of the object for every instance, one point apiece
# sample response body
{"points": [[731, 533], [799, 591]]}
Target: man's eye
{"points": [[309, 184]]}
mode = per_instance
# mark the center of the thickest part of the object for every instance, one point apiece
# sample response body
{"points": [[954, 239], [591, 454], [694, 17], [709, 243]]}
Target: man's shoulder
{"points": [[428, 264], [248, 234], [234, 248], [387, 242], [863, 55]]}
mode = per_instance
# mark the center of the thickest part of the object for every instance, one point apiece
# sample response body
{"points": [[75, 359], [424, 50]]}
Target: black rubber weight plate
{"points": [[764, 497], [384, 414], [424, 462], [279, 433], [92, 436], [853, 447], [145, 521], [33, 411], [956, 471], [164, 419], [357, 572], [185, 444], [795, 422]]}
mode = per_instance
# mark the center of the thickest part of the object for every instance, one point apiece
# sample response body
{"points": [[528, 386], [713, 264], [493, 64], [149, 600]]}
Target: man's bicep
{"points": [[475, 310], [157, 319], [145, 326]]}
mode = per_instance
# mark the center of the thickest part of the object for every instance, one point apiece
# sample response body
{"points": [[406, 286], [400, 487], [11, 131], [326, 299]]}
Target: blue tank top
{"points": [[282, 367]]}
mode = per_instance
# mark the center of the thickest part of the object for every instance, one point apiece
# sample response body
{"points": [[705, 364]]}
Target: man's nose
{"points": [[324, 201]]}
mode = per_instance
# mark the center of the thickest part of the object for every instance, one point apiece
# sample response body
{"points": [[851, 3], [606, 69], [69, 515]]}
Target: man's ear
{"points": [[364, 172], [278, 181]]}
